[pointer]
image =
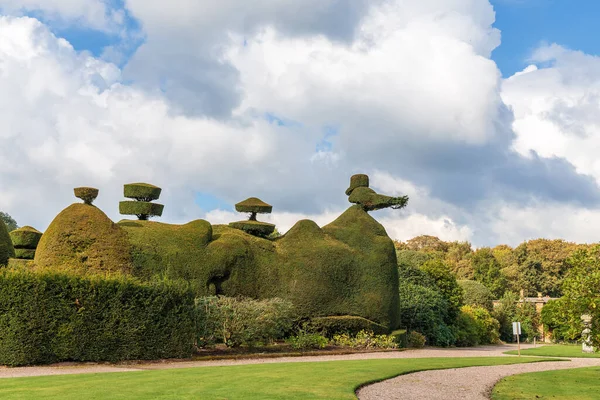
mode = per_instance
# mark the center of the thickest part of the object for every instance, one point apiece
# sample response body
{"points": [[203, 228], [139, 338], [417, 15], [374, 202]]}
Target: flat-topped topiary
{"points": [[142, 191], [6, 247], [26, 237], [25, 240], [87, 194], [255, 228], [254, 205], [141, 206]]}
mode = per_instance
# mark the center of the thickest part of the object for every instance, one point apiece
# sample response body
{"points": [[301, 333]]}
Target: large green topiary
{"points": [[254, 206], [87, 194], [6, 247], [83, 238], [143, 194]]}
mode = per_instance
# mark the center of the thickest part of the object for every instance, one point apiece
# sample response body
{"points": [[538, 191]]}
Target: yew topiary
{"points": [[143, 194], [369, 200], [25, 240], [6, 247], [254, 205], [87, 194]]}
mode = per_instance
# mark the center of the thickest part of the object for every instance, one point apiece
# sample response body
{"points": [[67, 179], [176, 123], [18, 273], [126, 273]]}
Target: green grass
{"points": [[563, 350], [571, 384], [318, 380]]}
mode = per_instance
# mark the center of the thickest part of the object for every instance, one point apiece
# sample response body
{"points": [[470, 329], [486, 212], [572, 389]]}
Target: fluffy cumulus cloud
{"points": [[284, 100]]}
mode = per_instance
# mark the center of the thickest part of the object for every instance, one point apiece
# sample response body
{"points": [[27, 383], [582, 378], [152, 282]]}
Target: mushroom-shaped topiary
{"points": [[25, 240], [143, 194], [254, 206], [87, 194]]}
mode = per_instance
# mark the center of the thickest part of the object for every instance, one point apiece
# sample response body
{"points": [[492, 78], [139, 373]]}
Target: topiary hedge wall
{"points": [[50, 317]]}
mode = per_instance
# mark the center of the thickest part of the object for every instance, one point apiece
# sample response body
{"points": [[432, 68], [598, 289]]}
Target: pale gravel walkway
{"points": [[471, 383], [84, 368]]}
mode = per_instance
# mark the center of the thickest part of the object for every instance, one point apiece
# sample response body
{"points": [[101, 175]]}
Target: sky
{"points": [[484, 113]]}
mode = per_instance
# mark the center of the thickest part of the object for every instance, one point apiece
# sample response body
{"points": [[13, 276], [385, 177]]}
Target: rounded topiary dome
{"points": [[254, 205], [6, 247], [83, 238]]}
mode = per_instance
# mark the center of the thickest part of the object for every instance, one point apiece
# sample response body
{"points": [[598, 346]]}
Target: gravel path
{"points": [[83, 368], [471, 383]]}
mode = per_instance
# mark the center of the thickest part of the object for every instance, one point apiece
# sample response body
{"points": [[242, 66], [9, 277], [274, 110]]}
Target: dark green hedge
{"points": [[6, 247], [50, 317], [329, 326], [140, 208]]}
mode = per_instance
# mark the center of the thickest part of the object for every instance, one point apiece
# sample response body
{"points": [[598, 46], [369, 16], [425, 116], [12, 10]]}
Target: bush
{"points": [[365, 340], [466, 331], [487, 327], [415, 340], [423, 309], [6, 247], [555, 317], [50, 317], [242, 322], [306, 340], [329, 326]]}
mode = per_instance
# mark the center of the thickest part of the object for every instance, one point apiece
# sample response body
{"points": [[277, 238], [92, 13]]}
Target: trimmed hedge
{"points": [[140, 208], [254, 205], [255, 228], [50, 317], [141, 191], [352, 325], [6, 247], [26, 237], [87, 194], [25, 254]]}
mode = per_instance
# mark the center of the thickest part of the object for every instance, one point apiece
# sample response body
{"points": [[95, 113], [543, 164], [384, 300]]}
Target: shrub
{"points": [[242, 322], [399, 337], [415, 340], [307, 340], [423, 309], [466, 330], [477, 294], [365, 340], [49, 317], [487, 327], [329, 326], [87, 194], [555, 317], [143, 194], [6, 247]]}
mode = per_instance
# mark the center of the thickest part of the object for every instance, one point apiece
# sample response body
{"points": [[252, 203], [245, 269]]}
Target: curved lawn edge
{"points": [[567, 384], [556, 350], [323, 380]]}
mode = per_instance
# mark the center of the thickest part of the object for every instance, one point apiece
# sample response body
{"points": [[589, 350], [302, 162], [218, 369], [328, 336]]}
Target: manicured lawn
{"points": [[317, 380], [556, 351], [571, 384]]}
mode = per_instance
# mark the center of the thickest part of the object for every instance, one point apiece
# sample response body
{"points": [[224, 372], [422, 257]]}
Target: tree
{"points": [[11, 224], [458, 258], [447, 286], [477, 294], [486, 269], [427, 243]]}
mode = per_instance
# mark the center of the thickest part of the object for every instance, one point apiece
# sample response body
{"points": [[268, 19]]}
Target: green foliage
{"points": [[304, 340], [555, 317], [242, 322], [466, 331], [25, 254], [50, 317], [11, 224], [358, 180], [409, 261], [415, 340], [6, 247], [254, 205], [486, 326], [486, 269], [26, 237], [255, 228], [365, 340], [447, 285], [143, 210], [141, 191], [423, 309], [82, 238], [426, 244], [582, 293], [329, 326], [476, 294], [509, 310], [369, 200], [87, 194]]}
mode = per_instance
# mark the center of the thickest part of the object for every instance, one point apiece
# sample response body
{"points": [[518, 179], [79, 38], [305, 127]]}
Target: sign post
{"points": [[517, 331]]}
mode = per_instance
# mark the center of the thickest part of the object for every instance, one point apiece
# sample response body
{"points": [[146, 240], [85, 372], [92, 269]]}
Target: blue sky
{"points": [[525, 24]]}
